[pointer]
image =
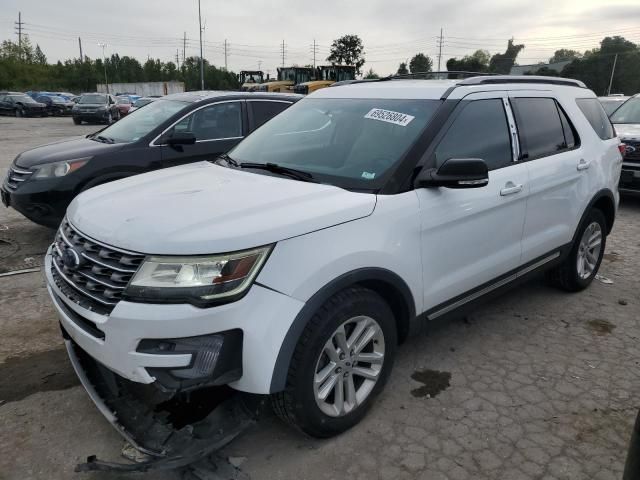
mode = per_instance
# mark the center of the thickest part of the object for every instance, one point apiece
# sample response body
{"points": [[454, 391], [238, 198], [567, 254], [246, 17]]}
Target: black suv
{"points": [[173, 130], [97, 108], [56, 105], [21, 105]]}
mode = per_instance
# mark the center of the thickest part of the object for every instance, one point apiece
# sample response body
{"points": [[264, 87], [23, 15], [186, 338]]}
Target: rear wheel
{"points": [[581, 266], [77, 121], [341, 363], [19, 112]]}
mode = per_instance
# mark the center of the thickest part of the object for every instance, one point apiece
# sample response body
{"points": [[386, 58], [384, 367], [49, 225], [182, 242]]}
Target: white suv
{"points": [[296, 264]]}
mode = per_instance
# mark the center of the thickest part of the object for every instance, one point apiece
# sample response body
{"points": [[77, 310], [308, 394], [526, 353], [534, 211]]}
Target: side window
{"points": [[222, 120], [570, 135], [597, 117], [264, 111], [539, 127], [479, 131]]}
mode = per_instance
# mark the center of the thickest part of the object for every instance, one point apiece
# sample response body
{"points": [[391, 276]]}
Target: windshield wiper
{"points": [[104, 139], [275, 168], [226, 158]]}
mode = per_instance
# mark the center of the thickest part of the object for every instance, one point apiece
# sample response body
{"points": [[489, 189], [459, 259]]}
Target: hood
{"points": [[204, 208], [64, 150], [628, 131]]}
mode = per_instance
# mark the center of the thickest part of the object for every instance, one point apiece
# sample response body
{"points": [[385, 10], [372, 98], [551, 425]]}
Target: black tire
{"points": [[297, 404], [565, 275], [109, 119], [19, 113], [77, 121]]}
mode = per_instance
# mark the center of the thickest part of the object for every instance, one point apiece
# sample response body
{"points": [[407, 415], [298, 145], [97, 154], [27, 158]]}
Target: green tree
{"points": [[347, 50], [371, 74], [502, 62], [402, 69], [39, 57], [564, 54], [478, 61], [420, 63]]}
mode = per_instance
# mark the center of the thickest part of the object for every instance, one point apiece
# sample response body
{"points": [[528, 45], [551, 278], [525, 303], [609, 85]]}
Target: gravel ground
{"points": [[537, 384]]}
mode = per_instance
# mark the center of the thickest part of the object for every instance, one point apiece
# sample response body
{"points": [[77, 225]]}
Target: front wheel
{"points": [[581, 266], [19, 113], [109, 119], [77, 121], [341, 363]]}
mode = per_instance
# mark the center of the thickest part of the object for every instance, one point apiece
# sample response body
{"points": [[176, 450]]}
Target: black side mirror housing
{"points": [[455, 173], [181, 138]]}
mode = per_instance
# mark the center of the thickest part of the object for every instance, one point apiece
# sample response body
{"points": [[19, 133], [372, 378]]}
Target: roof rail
{"points": [[484, 80], [440, 75]]}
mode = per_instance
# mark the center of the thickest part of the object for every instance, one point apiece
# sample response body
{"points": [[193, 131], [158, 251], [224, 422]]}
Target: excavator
{"points": [[326, 76], [250, 79], [288, 77]]}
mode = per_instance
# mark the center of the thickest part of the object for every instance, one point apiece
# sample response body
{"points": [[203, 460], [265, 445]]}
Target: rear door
{"points": [[558, 168], [218, 127], [6, 106], [471, 238], [261, 111]]}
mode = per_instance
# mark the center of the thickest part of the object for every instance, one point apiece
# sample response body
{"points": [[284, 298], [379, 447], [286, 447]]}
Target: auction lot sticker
{"points": [[389, 116]]}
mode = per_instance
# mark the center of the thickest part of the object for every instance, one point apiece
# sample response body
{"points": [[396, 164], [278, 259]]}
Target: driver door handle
{"points": [[583, 164], [511, 188]]}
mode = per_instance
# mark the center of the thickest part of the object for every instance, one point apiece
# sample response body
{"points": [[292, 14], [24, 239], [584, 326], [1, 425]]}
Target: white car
{"points": [[295, 265]]}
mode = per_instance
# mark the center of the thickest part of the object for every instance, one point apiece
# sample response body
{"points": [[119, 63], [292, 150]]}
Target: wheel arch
{"points": [[603, 200], [390, 286]]}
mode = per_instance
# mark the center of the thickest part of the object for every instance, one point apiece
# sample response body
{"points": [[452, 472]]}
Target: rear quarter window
{"points": [[540, 127], [597, 117]]}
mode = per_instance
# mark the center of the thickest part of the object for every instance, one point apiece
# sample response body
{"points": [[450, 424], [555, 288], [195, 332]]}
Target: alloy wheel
{"points": [[589, 250], [349, 366]]}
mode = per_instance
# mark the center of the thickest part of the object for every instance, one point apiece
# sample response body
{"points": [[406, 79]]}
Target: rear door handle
{"points": [[583, 164], [510, 188]]}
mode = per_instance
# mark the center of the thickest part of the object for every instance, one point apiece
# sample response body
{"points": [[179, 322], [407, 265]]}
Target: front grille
{"points": [[633, 153], [16, 176], [97, 281]]}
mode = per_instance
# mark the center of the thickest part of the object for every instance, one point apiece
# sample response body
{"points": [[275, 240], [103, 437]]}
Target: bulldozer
{"points": [[288, 77], [326, 75], [250, 79]]}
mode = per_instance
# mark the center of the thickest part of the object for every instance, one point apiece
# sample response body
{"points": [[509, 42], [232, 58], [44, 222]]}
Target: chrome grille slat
{"points": [[15, 176], [102, 273]]}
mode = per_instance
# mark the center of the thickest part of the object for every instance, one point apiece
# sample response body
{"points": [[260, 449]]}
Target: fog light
{"points": [[206, 352]]}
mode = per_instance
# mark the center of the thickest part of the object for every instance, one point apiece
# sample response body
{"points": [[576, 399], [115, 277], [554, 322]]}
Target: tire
{"points": [[77, 121], [109, 119], [19, 113], [571, 275], [300, 404], [118, 116]]}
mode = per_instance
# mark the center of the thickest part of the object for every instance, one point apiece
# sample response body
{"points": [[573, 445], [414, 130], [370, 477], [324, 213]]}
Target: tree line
{"points": [[23, 67]]}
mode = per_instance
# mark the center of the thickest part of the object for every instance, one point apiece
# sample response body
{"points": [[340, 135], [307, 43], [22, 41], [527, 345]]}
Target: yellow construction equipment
{"points": [[288, 77], [250, 79], [326, 75]]}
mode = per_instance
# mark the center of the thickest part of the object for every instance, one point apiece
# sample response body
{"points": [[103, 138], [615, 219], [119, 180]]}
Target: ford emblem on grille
{"points": [[629, 149], [71, 259]]}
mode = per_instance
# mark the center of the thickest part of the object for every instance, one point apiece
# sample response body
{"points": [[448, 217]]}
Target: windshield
{"points": [[94, 98], [139, 123], [142, 102], [22, 98], [57, 99], [351, 143], [629, 112]]}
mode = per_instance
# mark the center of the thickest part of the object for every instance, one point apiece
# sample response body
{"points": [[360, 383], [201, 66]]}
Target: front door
{"points": [[471, 237], [217, 127]]}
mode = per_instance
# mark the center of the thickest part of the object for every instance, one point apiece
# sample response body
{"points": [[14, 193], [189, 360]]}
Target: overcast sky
{"points": [[392, 30]]}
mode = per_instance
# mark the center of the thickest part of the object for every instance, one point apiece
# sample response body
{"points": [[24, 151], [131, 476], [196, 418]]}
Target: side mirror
{"points": [[181, 138], [455, 173]]}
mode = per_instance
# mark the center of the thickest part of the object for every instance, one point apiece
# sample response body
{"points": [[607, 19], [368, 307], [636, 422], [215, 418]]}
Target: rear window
{"points": [[540, 127], [592, 109]]}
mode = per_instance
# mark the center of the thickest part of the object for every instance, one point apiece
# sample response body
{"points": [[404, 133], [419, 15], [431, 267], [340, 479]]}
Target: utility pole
{"points": [[104, 64], [80, 45], [314, 50], [259, 64], [201, 57], [18, 25], [177, 59], [283, 48], [225, 53], [184, 48], [615, 60], [440, 50]]}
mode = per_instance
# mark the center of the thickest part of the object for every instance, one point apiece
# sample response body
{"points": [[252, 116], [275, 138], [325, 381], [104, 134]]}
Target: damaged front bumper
{"points": [[173, 429]]}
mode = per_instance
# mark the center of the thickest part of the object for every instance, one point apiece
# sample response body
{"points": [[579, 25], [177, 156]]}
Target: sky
{"points": [[392, 30]]}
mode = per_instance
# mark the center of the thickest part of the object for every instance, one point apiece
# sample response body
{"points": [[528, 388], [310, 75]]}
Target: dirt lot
{"points": [[535, 385]]}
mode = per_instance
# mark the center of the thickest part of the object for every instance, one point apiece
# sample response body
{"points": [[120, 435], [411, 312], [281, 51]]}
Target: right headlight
{"points": [[200, 280]]}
